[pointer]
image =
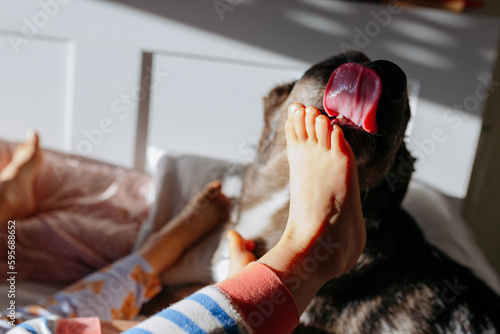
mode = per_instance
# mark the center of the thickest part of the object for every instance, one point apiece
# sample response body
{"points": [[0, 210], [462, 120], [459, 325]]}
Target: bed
{"points": [[177, 177], [113, 92]]}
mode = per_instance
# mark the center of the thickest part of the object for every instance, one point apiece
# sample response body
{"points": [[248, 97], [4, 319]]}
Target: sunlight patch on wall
{"points": [[420, 55], [423, 33], [337, 7], [318, 23]]}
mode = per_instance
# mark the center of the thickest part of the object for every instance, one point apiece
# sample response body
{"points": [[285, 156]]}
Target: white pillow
{"points": [[177, 178], [444, 227]]}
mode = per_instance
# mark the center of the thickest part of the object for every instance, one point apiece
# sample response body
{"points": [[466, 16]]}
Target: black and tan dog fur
{"points": [[401, 284]]}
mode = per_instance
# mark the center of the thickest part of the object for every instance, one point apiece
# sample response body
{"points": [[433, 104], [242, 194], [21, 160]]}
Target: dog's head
{"points": [[384, 164]]}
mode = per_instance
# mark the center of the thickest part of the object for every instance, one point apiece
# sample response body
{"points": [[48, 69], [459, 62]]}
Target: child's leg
{"points": [[325, 205], [203, 213], [119, 290], [324, 193], [115, 292]]}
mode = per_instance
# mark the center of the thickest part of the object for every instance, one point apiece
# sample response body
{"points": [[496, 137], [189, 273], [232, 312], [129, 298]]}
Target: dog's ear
{"points": [[272, 105], [388, 194], [275, 98]]}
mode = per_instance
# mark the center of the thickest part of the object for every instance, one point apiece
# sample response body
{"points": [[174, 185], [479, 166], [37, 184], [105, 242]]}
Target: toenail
{"points": [[310, 110], [319, 118], [292, 108], [296, 111]]}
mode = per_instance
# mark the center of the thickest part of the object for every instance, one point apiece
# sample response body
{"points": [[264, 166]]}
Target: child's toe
{"points": [[291, 136], [322, 128], [299, 123], [311, 114], [339, 143]]}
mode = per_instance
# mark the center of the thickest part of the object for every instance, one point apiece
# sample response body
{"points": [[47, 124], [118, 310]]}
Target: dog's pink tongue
{"points": [[354, 91]]}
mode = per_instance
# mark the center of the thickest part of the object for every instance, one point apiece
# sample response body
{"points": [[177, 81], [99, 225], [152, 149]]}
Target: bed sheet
{"points": [[89, 216]]}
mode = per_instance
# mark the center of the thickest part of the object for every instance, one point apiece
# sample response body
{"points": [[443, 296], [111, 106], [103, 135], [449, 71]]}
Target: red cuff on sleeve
{"points": [[264, 300], [90, 325]]}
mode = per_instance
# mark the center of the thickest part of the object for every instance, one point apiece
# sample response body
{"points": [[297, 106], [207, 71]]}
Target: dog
{"points": [[401, 283]]}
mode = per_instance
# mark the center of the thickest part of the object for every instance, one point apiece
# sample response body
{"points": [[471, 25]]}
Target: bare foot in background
{"points": [[207, 210], [17, 179]]}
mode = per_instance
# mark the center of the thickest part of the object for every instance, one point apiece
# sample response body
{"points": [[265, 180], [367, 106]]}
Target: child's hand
{"points": [[240, 251]]}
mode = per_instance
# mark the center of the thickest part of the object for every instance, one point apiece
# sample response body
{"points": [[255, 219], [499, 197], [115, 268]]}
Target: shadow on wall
{"points": [[310, 31]]}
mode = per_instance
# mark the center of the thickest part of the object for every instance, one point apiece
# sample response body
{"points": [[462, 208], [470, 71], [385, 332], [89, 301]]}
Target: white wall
{"points": [[70, 76]]}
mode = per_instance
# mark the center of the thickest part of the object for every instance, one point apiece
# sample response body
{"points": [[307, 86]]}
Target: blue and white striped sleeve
{"points": [[38, 325], [209, 310]]}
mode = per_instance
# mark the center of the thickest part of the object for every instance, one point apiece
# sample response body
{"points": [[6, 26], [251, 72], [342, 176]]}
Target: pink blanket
{"points": [[89, 216]]}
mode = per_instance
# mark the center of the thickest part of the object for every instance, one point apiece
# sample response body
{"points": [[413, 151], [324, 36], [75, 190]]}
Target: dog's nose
{"points": [[396, 88], [392, 76]]}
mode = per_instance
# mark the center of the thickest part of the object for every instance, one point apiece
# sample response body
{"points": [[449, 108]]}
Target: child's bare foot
{"points": [[324, 190], [203, 213], [17, 198], [325, 228]]}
